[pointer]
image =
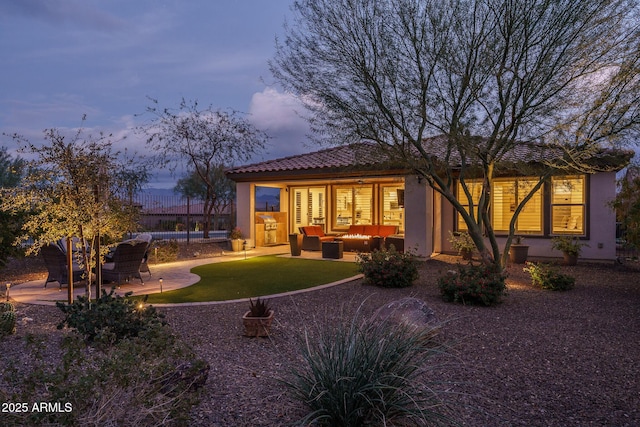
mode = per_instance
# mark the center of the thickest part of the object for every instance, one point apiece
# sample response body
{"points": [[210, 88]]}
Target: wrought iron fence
{"points": [[179, 218], [624, 249]]}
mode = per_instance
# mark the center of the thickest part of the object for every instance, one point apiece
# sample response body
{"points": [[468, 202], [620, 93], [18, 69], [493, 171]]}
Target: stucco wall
{"points": [[245, 197]]}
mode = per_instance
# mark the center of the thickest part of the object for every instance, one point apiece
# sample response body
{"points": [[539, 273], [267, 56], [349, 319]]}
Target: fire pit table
{"points": [[359, 243]]}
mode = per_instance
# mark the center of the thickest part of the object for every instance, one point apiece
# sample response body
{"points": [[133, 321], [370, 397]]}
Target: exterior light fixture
{"points": [[160, 280], [8, 287]]}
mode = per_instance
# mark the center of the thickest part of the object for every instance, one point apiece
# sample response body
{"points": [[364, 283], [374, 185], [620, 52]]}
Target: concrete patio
{"points": [[174, 275]]}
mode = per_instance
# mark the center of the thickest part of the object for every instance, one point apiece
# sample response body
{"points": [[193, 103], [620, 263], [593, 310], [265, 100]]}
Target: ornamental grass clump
{"points": [[369, 372], [473, 284], [548, 277], [388, 268]]}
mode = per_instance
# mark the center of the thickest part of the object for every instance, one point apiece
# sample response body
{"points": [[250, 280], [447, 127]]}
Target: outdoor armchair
{"points": [[126, 262], [56, 262], [313, 236], [144, 265]]}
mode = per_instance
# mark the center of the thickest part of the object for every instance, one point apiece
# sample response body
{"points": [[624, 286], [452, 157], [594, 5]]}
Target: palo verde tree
{"points": [[201, 140], [225, 190], [469, 89], [74, 188]]}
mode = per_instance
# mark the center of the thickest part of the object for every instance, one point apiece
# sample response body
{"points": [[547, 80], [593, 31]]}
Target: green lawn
{"points": [[255, 277]]}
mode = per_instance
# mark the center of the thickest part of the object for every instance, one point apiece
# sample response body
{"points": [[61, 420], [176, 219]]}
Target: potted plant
{"points": [[237, 239], [570, 248], [257, 321], [518, 251], [463, 243]]}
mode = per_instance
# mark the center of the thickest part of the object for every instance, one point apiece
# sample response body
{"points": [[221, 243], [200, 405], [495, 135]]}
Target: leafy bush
{"points": [[388, 268], [367, 373], [473, 284], [110, 318], [568, 245], [547, 277], [149, 380]]}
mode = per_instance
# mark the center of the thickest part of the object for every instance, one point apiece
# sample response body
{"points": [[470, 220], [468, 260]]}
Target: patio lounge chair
{"points": [[144, 266], [56, 262], [127, 259]]}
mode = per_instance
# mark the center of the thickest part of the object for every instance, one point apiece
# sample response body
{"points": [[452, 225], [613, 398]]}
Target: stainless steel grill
{"points": [[270, 229]]}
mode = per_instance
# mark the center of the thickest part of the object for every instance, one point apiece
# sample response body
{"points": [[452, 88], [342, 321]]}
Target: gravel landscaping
{"points": [[540, 358]]}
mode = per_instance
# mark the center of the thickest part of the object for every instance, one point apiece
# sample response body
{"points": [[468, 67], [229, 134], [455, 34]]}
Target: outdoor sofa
{"points": [[313, 235]]}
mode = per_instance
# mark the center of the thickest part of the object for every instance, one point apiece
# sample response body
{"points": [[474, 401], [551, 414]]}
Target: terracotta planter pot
{"points": [[257, 326], [570, 259], [518, 254]]}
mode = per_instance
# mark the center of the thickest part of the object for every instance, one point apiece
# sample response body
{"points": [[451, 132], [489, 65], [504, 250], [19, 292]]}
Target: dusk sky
{"points": [[62, 59]]}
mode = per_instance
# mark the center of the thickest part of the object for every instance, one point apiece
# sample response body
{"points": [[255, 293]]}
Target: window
{"points": [[505, 196], [308, 206], [353, 205], [393, 205], [568, 205]]}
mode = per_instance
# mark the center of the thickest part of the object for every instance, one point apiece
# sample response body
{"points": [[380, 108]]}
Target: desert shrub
{"points": [[473, 284], [388, 268], [548, 277], [110, 318], [164, 251], [367, 373], [149, 380]]}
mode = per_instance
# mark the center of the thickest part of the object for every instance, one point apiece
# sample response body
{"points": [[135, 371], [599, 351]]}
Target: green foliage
{"points": [[110, 318], [367, 372], [7, 323], [473, 284], [567, 245], [149, 380], [461, 241], [548, 277], [76, 185], [259, 308], [388, 268]]}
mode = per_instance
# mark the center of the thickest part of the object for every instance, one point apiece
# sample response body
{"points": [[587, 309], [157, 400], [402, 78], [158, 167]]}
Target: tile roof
{"points": [[343, 156], [365, 156]]}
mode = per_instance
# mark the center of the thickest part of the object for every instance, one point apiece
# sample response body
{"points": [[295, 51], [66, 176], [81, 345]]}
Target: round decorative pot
{"points": [[518, 254], [570, 259], [236, 245], [257, 326]]}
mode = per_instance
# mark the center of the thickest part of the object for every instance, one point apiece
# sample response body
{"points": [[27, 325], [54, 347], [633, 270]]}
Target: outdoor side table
{"points": [[332, 249]]}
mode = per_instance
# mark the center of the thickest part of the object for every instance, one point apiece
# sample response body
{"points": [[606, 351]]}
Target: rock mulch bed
{"points": [[540, 358]]}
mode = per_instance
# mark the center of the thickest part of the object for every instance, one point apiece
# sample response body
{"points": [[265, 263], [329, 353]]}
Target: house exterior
{"points": [[345, 185]]}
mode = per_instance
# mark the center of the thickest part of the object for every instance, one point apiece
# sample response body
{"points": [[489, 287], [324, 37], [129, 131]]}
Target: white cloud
{"points": [[273, 110], [281, 116]]}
